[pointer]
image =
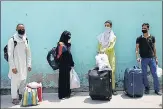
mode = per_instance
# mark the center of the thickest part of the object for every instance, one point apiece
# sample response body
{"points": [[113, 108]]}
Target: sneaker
{"points": [[158, 93], [114, 92]]}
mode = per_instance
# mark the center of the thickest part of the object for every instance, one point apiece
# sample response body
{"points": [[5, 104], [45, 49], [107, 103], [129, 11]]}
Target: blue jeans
{"points": [[152, 65]]}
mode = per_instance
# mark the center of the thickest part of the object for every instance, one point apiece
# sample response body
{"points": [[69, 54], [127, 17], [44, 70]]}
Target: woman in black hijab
{"points": [[65, 64]]}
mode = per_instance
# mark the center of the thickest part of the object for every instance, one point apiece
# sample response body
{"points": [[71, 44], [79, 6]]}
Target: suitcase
{"points": [[100, 84], [133, 82]]}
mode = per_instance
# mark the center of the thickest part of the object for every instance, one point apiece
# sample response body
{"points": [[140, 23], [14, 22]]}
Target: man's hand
{"points": [[29, 69], [14, 70], [138, 59]]}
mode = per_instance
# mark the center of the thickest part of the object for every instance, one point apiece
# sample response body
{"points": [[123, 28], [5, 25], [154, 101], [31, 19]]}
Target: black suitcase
{"points": [[100, 84]]}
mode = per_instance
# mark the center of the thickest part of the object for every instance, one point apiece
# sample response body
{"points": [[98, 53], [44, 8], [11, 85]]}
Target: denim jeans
{"points": [[152, 65]]}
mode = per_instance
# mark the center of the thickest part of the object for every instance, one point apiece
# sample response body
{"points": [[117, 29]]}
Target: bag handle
{"points": [[136, 67]]}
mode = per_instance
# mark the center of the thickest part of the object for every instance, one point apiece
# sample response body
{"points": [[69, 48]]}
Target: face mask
{"points": [[144, 31], [21, 32], [108, 29], [69, 41]]}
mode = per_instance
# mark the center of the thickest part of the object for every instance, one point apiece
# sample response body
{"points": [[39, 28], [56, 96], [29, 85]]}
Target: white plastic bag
{"points": [[102, 61], [74, 79], [34, 85], [159, 71]]}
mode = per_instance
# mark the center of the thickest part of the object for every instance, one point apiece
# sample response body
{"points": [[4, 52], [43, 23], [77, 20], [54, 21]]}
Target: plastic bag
{"points": [[34, 85], [159, 71], [102, 61], [74, 79]]}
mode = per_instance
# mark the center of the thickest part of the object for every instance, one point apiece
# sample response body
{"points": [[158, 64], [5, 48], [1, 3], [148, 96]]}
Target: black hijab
{"points": [[65, 36]]}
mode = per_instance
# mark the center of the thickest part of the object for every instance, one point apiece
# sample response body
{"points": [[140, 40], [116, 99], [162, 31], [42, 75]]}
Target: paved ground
{"points": [[82, 100]]}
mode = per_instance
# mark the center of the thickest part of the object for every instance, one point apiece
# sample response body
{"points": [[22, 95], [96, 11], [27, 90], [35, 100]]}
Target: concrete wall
{"points": [[45, 21]]}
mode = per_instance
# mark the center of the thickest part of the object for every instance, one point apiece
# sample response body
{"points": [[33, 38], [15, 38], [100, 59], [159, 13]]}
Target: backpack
{"points": [[52, 58], [6, 49]]}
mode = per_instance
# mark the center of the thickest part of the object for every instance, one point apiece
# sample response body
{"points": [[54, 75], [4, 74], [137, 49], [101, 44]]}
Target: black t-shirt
{"points": [[146, 46]]}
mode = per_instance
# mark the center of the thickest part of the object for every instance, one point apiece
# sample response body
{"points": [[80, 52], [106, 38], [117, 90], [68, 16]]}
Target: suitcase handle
{"points": [[136, 67]]}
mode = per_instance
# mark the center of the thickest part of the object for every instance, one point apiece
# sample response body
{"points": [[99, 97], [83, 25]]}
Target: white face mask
{"points": [[69, 41], [108, 29]]}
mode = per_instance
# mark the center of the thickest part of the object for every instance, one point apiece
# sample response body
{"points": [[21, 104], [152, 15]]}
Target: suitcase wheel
{"points": [[101, 98], [93, 98], [108, 98]]}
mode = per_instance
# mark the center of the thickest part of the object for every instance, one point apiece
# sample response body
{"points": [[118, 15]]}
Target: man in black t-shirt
{"points": [[145, 47]]}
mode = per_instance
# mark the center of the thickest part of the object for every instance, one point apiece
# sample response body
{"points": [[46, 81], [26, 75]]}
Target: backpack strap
{"points": [[150, 45], [15, 42]]}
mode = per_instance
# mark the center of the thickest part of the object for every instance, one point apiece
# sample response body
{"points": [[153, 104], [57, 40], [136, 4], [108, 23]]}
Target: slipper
{"points": [[15, 101]]}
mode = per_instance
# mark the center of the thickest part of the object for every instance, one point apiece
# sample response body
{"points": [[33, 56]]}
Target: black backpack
{"points": [[52, 58], [6, 49]]}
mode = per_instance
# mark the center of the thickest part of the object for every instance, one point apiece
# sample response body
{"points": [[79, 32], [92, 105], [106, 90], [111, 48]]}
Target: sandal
{"points": [[15, 101]]}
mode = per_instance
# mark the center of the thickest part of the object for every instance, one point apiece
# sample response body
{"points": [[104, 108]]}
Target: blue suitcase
{"points": [[133, 82]]}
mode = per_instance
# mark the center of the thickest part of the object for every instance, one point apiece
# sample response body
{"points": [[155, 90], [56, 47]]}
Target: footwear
{"points": [[62, 98], [67, 97], [146, 91], [114, 92], [158, 93], [72, 94], [15, 101]]}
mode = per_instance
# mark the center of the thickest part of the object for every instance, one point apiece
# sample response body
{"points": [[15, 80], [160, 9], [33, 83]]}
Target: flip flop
{"points": [[15, 101]]}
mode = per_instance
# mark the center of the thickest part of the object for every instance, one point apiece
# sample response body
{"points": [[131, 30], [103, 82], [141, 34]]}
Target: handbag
{"points": [[30, 97]]}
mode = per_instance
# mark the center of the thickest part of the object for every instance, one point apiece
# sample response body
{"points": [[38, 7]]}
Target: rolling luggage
{"points": [[100, 84], [133, 82]]}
